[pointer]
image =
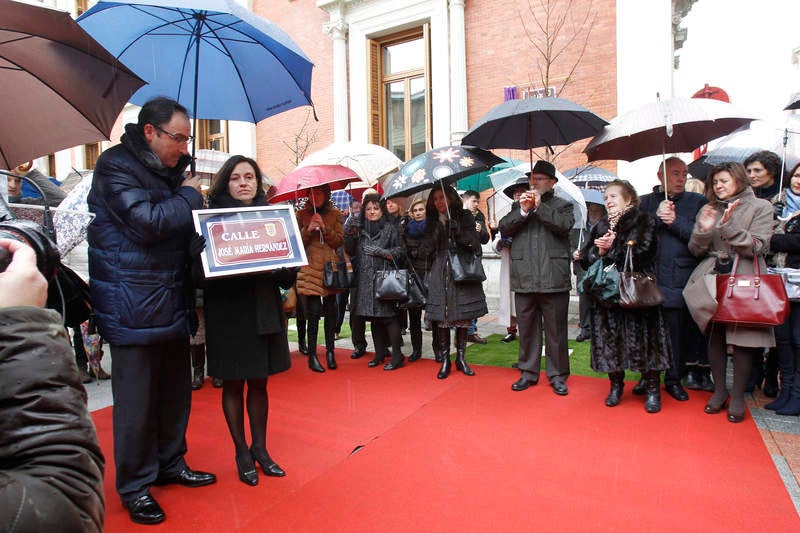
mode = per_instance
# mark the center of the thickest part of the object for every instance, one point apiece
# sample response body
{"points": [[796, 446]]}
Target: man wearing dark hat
{"points": [[539, 224]]}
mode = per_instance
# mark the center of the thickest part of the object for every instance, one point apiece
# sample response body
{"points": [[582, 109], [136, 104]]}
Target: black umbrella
{"points": [[533, 122], [60, 87], [794, 102], [448, 164]]}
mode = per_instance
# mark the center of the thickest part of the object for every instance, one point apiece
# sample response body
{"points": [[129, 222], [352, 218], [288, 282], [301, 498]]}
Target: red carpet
{"points": [[469, 454]]}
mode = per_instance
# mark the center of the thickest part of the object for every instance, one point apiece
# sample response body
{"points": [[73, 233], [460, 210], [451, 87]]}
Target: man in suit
{"points": [[470, 200], [674, 217], [539, 225]]}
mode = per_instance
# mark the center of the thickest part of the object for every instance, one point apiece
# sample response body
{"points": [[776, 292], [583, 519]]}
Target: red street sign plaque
{"points": [[249, 239]]}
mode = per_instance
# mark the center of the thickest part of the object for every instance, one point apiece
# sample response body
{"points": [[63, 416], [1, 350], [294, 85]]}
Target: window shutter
{"points": [[375, 93]]}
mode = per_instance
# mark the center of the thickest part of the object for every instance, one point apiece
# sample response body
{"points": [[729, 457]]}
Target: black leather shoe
{"points": [[582, 336], [640, 389], [393, 366], [508, 338], [713, 407], [560, 388], [676, 391], [145, 510], [375, 362], [269, 466], [522, 384], [358, 353], [735, 418], [415, 356], [187, 478]]}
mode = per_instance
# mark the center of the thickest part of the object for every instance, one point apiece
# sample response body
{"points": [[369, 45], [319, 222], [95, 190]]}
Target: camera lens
{"points": [[30, 233]]}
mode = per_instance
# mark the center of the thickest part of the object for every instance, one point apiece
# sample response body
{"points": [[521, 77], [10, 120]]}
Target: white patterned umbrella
{"points": [[370, 161]]}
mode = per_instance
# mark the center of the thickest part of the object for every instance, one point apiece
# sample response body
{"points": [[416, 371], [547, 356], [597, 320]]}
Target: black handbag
{"points": [[339, 274], [417, 293], [392, 285], [69, 295], [637, 289], [467, 267]]}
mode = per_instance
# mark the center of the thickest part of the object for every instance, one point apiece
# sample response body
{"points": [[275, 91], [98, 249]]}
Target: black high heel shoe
{"points": [[247, 470], [714, 408], [269, 466]]}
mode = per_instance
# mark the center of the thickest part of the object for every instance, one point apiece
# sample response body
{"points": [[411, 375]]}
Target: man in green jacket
{"points": [[539, 225]]}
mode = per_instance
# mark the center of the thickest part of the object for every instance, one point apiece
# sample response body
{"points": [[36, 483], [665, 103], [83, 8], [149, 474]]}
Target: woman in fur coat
{"points": [[321, 228], [627, 339]]}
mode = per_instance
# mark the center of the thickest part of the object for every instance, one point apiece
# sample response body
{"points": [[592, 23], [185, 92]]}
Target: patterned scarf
{"points": [[613, 218]]}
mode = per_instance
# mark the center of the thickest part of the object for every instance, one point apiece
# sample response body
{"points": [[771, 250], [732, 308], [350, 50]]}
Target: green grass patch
{"points": [[345, 333], [496, 353]]}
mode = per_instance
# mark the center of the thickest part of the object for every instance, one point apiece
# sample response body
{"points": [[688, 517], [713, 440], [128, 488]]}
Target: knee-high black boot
{"points": [[461, 352], [301, 335], [435, 343], [444, 350], [771, 374], [786, 358], [617, 384], [313, 362], [652, 404], [330, 339], [198, 352]]}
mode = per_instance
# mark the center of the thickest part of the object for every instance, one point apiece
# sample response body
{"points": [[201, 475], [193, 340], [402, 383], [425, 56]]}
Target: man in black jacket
{"points": [[144, 300], [674, 217], [51, 466], [539, 225]]}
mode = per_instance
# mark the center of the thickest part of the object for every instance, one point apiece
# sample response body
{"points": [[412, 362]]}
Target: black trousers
{"points": [[684, 336], [534, 310], [358, 324], [152, 391]]}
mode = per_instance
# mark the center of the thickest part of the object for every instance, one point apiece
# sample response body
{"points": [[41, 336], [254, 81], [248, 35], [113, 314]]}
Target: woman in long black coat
{"points": [[412, 231], [376, 245], [627, 339], [245, 329], [450, 304]]}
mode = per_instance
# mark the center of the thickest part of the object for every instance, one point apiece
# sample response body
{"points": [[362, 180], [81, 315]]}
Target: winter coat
{"points": [[751, 220], [675, 262], [788, 241], [245, 325], [540, 251], [448, 301], [412, 244], [506, 308], [51, 465], [627, 339], [309, 279], [52, 192], [388, 238], [138, 244]]}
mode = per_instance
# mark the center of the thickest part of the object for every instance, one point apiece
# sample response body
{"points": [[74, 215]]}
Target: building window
{"points": [[90, 154], [212, 134], [400, 92]]}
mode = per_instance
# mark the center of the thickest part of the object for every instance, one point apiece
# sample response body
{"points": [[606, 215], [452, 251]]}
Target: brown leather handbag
{"points": [[637, 289], [752, 300]]}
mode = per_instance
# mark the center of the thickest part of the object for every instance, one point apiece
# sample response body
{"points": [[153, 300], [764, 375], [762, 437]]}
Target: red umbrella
{"points": [[296, 183]]}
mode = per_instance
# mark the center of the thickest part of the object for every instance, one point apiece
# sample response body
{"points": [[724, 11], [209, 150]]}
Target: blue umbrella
{"points": [[215, 57]]}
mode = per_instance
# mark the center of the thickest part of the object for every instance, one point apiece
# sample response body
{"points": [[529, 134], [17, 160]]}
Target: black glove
{"points": [[777, 209], [377, 251], [197, 243]]}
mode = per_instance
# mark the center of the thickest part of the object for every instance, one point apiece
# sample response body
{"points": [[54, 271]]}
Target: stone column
{"points": [[459, 121], [341, 126]]}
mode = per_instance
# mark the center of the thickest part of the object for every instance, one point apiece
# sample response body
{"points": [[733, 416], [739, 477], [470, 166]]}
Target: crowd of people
{"points": [[144, 268]]}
